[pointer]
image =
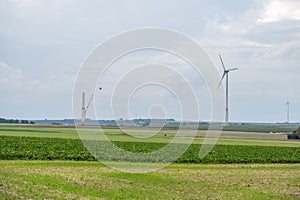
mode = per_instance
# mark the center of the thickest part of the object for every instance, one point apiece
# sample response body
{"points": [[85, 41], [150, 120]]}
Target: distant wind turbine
{"points": [[226, 73], [84, 109], [287, 111]]}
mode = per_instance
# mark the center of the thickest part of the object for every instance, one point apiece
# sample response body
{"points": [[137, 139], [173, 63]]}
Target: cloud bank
{"points": [[43, 44]]}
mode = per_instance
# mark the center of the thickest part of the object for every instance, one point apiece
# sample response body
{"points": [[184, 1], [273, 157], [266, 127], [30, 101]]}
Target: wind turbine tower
{"points": [[287, 111], [226, 73], [84, 109]]}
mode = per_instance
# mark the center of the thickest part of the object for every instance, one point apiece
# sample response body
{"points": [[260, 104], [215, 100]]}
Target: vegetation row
{"points": [[34, 148]]}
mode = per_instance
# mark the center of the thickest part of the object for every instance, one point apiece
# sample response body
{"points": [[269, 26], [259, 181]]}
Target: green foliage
{"points": [[243, 154], [15, 121], [34, 148]]}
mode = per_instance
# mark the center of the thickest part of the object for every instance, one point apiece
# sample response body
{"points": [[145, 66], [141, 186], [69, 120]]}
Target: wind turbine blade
{"points": [[222, 62], [89, 102], [221, 80], [233, 69]]}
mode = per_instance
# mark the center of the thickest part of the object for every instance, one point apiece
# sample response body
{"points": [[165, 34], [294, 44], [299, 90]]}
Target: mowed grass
{"points": [[69, 133], [150, 135], [92, 180]]}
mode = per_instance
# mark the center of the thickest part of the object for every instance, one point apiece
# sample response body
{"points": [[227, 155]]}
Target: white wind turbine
{"points": [[226, 73]]}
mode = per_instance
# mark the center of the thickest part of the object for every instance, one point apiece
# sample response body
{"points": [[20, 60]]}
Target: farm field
{"points": [[35, 148], [164, 136], [52, 163], [92, 180]]}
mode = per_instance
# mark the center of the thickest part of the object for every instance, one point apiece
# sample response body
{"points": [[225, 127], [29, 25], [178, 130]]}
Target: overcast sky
{"points": [[43, 44]]}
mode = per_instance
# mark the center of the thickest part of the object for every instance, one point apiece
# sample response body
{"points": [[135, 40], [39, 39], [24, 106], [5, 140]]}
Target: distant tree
{"points": [[10, 121], [16, 121], [32, 122], [24, 122]]}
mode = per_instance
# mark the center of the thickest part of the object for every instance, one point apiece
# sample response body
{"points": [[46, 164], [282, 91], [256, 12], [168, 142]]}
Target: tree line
{"points": [[16, 121]]}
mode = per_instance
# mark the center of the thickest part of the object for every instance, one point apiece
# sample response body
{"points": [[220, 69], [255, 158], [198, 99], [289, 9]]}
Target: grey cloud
{"points": [[46, 41]]}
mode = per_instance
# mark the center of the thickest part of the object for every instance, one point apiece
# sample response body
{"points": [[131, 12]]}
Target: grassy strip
{"points": [[33, 148], [88, 180], [256, 128], [188, 166], [142, 135], [232, 127]]}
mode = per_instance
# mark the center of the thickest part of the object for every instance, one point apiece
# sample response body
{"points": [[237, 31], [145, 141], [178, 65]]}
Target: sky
{"points": [[44, 43]]}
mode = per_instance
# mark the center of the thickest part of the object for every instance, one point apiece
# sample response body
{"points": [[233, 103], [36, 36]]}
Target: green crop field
{"points": [[52, 163], [34, 148]]}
